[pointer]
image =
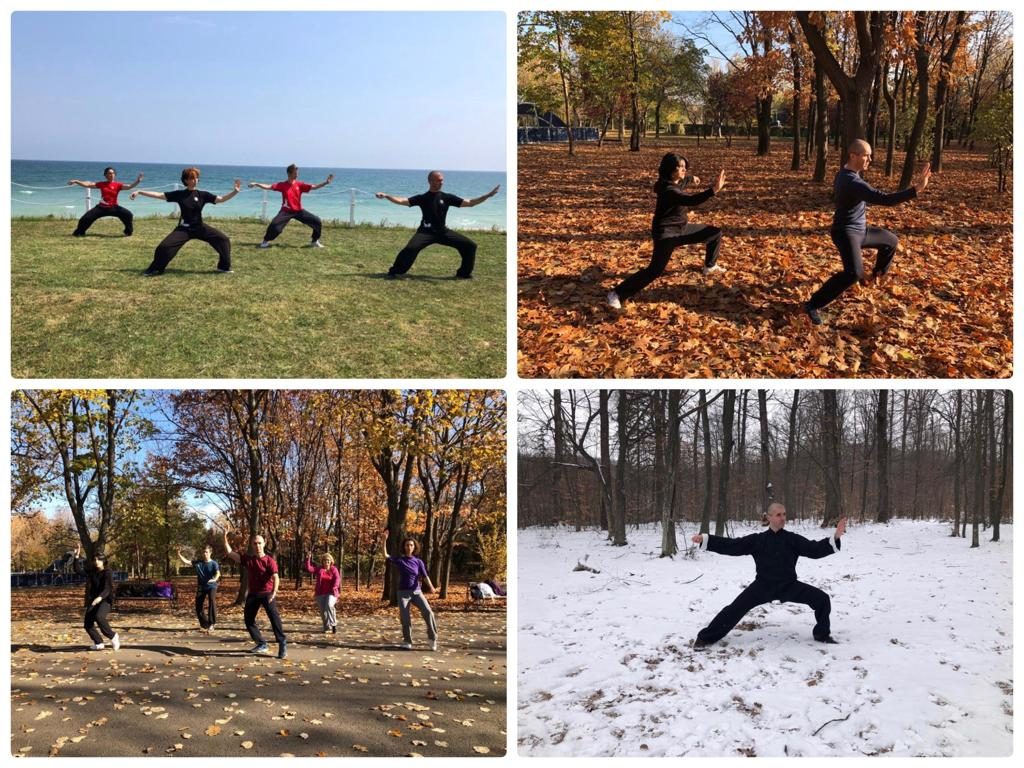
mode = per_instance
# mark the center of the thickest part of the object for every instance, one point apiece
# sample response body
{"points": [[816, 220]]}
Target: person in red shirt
{"points": [[108, 202], [291, 206], [263, 583], [326, 590]]}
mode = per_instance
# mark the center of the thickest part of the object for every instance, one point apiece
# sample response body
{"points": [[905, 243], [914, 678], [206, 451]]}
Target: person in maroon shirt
{"points": [[291, 206], [433, 228], [108, 202], [263, 583]]}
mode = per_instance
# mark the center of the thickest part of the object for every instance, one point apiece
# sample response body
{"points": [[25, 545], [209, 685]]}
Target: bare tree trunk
{"points": [[606, 458], [618, 527], [669, 546], [830, 431], [788, 495], [705, 518], [556, 466], [882, 448], [728, 412], [766, 454]]}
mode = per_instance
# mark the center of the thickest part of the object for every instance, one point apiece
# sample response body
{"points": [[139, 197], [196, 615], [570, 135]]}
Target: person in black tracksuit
{"points": [[190, 226], [99, 600], [433, 230], [850, 232], [775, 553], [670, 228]]}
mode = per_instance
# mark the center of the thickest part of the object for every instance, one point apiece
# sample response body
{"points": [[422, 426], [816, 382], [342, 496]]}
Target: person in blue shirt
{"points": [[850, 232], [207, 578]]}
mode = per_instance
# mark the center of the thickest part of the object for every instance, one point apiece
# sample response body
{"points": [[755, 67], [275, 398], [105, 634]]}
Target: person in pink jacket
{"points": [[327, 579]]}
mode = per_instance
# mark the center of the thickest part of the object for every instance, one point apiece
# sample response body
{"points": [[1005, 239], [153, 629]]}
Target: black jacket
{"points": [[775, 554]]}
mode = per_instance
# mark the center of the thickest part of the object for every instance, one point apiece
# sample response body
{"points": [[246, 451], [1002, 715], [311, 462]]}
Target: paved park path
{"points": [[172, 689]]}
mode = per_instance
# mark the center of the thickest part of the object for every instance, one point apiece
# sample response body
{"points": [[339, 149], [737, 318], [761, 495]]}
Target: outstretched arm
{"points": [[258, 185], [723, 545], [232, 555], [922, 181], [86, 184], [324, 183], [134, 184], [183, 559], [392, 198], [147, 193], [232, 193], [478, 200], [823, 547]]}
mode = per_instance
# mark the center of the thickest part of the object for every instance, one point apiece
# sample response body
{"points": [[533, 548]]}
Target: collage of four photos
{"points": [[389, 383]]}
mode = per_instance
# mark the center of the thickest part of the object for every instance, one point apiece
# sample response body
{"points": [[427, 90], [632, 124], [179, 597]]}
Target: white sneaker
{"points": [[97, 647], [714, 269], [433, 645], [613, 300], [316, 244], [407, 646], [115, 642], [264, 244]]}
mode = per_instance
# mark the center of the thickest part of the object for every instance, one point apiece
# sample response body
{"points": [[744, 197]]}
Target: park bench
{"points": [[143, 592], [476, 601]]}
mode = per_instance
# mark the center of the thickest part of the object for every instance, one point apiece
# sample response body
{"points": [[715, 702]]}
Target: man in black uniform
{"points": [[775, 553], [435, 204]]}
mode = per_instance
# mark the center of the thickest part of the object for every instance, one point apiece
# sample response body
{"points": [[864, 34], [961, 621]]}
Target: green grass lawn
{"points": [[80, 307]]}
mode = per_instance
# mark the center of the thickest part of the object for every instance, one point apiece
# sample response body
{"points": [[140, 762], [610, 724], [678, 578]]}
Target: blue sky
{"points": [[343, 89]]}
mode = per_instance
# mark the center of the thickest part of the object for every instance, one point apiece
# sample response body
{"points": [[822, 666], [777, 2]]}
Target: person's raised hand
{"points": [[841, 528], [719, 182], [134, 194], [379, 195], [238, 185], [926, 174], [697, 538]]}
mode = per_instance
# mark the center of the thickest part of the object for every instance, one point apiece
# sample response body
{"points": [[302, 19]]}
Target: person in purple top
{"points": [[411, 570], [850, 231], [670, 227], [327, 588]]}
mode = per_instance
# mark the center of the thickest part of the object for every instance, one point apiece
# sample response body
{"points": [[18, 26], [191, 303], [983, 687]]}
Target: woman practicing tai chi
{"points": [[410, 571], [670, 229], [207, 579], [190, 225], [850, 232], [775, 553], [435, 204], [291, 205], [326, 590], [107, 205], [99, 599]]}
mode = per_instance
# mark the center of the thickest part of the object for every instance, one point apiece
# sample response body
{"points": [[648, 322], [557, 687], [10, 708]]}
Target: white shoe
{"points": [[115, 642], [97, 647], [264, 244], [407, 646], [433, 645], [316, 244], [714, 269], [613, 300]]}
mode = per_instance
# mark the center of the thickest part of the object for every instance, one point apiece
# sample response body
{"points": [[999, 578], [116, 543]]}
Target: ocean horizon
{"points": [[39, 188]]}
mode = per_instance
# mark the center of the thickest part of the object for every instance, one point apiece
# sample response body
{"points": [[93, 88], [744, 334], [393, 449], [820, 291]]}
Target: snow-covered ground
{"points": [[924, 666]]}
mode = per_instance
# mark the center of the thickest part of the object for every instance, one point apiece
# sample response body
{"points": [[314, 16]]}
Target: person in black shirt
{"points": [[850, 232], [435, 204], [775, 553], [190, 225], [99, 599], [669, 227]]}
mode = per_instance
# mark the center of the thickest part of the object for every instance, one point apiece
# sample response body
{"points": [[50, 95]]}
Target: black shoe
{"points": [[812, 313], [391, 276], [152, 273], [463, 277], [700, 644], [282, 652], [78, 234], [334, 629], [129, 232], [225, 271], [828, 639]]}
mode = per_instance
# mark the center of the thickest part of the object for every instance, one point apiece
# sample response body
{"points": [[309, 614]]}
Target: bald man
{"points": [[433, 228], [850, 232], [775, 553]]}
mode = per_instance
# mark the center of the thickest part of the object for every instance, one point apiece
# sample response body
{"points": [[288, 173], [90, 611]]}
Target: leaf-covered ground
{"points": [[173, 690], [944, 310]]}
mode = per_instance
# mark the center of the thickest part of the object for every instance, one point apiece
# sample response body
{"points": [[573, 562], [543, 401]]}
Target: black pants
{"points": [[171, 244], [208, 617], [252, 605], [850, 243], [98, 212], [419, 241], [760, 593], [97, 615], [663, 247], [285, 215]]}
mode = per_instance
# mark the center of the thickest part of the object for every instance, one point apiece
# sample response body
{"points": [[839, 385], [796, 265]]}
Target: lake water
{"points": [[39, 188]]}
